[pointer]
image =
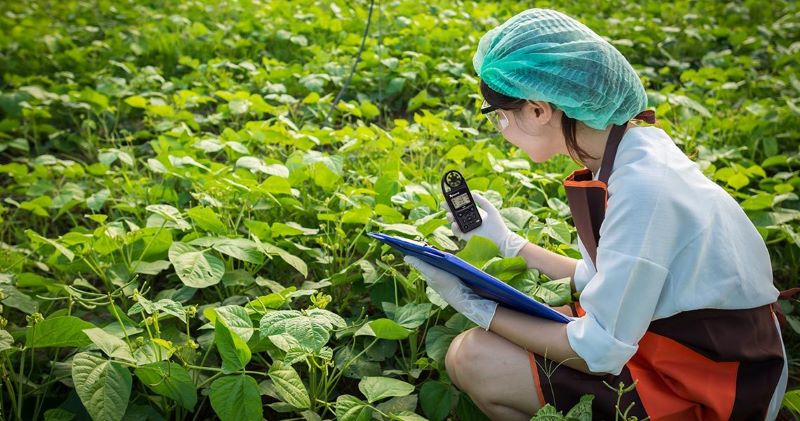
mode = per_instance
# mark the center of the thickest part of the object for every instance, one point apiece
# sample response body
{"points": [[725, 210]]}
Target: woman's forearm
{"points": [[555, 266], [540, 336]]}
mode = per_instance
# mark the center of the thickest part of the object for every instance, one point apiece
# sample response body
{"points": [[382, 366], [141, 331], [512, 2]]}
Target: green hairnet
{"points": [[545, 55]]}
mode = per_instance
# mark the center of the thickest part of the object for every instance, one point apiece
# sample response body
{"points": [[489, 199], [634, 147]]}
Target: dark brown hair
{"points": [[568, 124]]}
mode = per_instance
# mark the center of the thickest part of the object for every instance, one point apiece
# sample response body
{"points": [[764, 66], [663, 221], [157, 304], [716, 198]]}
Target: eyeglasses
{"points": [[495, 115]]}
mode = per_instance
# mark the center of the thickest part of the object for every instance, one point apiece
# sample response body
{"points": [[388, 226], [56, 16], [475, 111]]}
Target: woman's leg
{"points": [[495, 373]]}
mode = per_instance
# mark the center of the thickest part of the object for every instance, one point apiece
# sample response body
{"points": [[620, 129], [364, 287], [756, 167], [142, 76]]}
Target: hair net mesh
{"points": [[545, 55]]}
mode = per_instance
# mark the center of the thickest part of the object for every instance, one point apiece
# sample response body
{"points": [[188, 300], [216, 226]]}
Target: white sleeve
{"points": [[582, 275], [619, 301], [637, 239], [584, 269]]}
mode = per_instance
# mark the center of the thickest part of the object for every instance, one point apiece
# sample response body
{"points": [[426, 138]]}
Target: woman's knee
{"points": [[465, 353]]}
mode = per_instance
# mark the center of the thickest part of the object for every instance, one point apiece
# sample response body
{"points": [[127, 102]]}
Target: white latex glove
{"points": [[492, 227], [459, 296]]}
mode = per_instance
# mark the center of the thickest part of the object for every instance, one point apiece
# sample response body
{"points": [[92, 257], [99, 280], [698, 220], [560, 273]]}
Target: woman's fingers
{"points": [[484, 203], [457, 231]]}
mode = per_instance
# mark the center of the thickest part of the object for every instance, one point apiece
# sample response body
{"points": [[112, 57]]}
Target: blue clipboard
{"points": [[482, 283]]}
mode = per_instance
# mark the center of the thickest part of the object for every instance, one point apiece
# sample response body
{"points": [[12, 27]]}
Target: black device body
{"points": [[460, 201]]}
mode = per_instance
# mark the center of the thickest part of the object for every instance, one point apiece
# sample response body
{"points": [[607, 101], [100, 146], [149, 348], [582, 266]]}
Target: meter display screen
{"points": [[461, 200]]}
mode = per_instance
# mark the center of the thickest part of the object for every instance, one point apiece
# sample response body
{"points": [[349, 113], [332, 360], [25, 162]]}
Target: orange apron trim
{"points": [[676, 383], [536, 380]]}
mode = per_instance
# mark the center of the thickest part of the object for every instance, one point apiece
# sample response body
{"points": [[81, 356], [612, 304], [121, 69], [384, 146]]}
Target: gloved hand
{"points": [[492, 227], [461, 297]]}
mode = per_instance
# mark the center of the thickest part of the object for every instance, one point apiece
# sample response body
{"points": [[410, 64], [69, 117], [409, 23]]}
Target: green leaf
{"points": [[111, 345], [166, 215], [57, 332], [359, 215], [466, 410], [582, 411], [207, 219], [196, 269], [136, 101], [58, 414], [478, 251], [377, 388], [95, 201], [311, 329], [555, 293], [437, 342], [517, 217], [350, 408], [412, 316], [548, 413], [233, 349], [388, 329], [240, 248], [171, 380], [17, 299], [6, 340], [103, 386], [791, 400], [236, 319], [774, 161], [164, 305], [236, 398], [505, 268], [287, 257], [557, 230], [406, 416], [457, 153], [738, 180], [151, 268], [276, 185], [36, 238], [436, 399], [288, 384], [758, 202], [280, 229], [153, 351]]}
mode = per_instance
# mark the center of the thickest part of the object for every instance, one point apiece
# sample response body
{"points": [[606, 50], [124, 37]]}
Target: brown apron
{"points": [[705, 364]]}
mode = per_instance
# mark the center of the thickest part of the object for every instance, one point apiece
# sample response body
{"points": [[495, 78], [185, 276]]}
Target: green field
{"points": [[184, 210]]}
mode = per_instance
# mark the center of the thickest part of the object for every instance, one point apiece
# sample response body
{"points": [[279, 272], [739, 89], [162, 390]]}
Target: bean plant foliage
{"points": [[183, 221]]}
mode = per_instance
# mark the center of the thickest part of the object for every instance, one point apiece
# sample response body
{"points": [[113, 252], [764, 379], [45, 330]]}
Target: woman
{"points": [[675, 282]]}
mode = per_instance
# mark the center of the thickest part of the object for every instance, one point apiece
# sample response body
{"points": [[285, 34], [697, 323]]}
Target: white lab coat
{"points": [[672, 241]]}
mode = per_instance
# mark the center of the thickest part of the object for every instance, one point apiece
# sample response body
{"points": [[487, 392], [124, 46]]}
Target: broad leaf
{"points": [[232, 348], [113, 346], [197, 269], [377, 388], [171, 380], [478, 251], [505, 269], [350, 408], [437, 341], [311, 329], [388, 329], [236, 398], [57, 332], [289, 386], [436, 399], [103, 386]]}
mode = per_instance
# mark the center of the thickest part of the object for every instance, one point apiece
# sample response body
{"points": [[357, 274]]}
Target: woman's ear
{"points": [[541, 111]]}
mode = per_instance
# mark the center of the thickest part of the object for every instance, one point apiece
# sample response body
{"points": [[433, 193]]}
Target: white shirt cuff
{"points": [[602, 352], [582, 275]]}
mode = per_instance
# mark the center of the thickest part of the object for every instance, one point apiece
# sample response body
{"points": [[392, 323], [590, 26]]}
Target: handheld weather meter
{"points": [[460, 201]]}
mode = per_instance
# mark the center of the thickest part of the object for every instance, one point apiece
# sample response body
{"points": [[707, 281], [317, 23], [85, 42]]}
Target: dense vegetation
{"points": [[183, 222]]}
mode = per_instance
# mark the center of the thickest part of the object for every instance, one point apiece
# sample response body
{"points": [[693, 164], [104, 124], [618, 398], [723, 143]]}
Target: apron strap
{"points": [[612, 144], [614, 138]]}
